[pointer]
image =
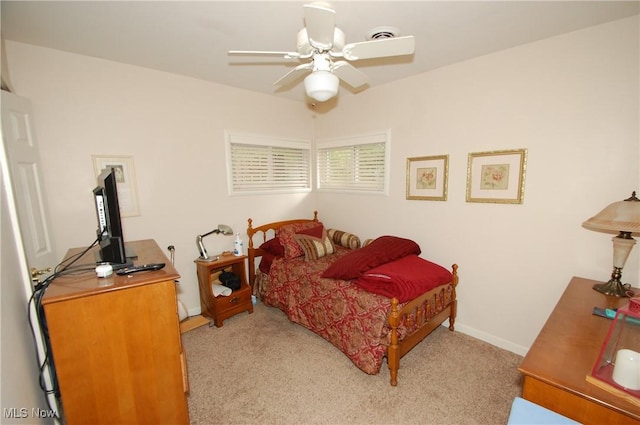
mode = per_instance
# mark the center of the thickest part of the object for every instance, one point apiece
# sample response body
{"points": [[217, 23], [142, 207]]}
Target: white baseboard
{"points": [[194, 311], [491, 339]]}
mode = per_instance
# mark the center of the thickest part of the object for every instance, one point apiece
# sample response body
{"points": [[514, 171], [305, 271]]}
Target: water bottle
{"points": [[237, 246]]}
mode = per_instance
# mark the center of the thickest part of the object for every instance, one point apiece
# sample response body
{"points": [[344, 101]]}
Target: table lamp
{"points": [[622, 217], [222, 228]]}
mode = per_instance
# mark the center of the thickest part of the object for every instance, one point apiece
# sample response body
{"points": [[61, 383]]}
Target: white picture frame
{"points": [[126, 181]]}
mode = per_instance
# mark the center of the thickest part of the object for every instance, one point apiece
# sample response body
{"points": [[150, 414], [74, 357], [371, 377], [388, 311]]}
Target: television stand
{"points": [[129, 252], [124, 361], [118, 266]]}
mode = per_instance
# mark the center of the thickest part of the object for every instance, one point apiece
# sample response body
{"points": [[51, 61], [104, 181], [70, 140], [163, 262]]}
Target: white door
{"points": [[26, 178], [29, 223]]}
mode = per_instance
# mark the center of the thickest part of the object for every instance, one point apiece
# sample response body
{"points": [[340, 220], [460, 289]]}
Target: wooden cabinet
{"points": [[220, 308], [116, 344], [557, 364]]}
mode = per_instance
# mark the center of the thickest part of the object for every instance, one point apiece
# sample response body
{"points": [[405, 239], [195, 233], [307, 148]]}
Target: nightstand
{"points": [[220, 308]]}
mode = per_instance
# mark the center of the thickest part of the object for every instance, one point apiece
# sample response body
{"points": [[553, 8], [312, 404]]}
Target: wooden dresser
{"points": [[556, 366], [116, 344]]}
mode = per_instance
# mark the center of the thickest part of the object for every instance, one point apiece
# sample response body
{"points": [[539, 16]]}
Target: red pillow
{"points": [[265, 262], [316, 232], [274, 247], [382, 250]]}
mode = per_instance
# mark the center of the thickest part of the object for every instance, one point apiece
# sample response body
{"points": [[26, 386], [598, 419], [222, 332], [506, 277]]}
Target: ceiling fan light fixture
{"points": [[321, 85]]}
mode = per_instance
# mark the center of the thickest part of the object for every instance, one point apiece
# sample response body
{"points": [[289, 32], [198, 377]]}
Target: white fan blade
{"points": [[379, 48], [320, 23], [294, 74], [285, 55], [349, 74]]}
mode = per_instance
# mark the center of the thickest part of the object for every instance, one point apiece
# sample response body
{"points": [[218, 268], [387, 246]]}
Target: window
{"points": [[354, 164], [261, 164]]}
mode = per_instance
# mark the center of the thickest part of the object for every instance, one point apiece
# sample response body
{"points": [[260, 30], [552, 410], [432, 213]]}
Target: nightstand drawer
{"points": [[238, 298]]}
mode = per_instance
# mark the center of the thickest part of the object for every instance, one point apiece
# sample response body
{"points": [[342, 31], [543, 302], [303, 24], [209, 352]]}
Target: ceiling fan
{"points": [[322, 42]]}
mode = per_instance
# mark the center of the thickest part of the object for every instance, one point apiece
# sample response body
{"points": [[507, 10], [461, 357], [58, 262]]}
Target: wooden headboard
{"points": [[262, 232]]}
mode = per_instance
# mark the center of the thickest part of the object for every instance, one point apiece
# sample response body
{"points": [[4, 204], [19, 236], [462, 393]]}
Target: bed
{"points": [[372, 300]]}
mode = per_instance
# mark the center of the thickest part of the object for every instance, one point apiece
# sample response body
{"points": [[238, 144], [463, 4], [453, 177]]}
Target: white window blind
{"points": [[260, 164], [353, 164]]}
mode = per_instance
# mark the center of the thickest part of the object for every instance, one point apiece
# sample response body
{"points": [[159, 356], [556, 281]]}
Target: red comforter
{"points": [[351, 318], [405, 278]]}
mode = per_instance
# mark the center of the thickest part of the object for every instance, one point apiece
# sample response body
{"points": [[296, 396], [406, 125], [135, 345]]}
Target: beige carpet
{"points": [[263, 369]]}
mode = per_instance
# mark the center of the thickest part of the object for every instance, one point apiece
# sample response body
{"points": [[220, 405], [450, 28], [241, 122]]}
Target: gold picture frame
{"points": [[427, 177], [497, 176], [126, 181]]}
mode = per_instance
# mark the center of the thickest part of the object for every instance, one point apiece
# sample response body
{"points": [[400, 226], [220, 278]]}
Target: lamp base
{"points": [[614, 287], [208, 260]]}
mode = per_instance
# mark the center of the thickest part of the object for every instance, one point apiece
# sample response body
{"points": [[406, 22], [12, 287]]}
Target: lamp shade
{"points": [[622, 216], [321, 85]]}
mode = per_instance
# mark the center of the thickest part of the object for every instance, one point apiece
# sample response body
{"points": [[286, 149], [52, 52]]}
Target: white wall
{"points": [[172, 126], [573, 102]]}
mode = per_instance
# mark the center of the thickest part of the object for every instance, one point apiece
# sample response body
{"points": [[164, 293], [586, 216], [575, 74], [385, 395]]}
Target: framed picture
{"points": [[427, 177], [126, 180], [496, 176]]}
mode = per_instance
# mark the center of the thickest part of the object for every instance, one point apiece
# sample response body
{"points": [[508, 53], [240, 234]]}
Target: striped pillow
{"points": [[285, 235], [313, 247], [347, 240]]}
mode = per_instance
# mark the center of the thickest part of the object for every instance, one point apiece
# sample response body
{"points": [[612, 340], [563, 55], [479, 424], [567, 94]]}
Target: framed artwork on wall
{"points": [[496, 176], [427, 177], [126, 181]]}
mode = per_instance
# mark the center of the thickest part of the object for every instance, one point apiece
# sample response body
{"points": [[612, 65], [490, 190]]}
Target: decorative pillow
{"points": [[274, 247], [291, 247], [313, 247], [382, 250], [347, 240], [265, 262]]}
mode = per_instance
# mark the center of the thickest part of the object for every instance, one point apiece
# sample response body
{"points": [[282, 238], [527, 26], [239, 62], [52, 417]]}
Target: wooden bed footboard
{"points": [[418, 317]]}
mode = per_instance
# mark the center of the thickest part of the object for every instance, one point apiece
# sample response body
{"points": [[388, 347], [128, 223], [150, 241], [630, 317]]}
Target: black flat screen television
{"points": [[109, 233]]}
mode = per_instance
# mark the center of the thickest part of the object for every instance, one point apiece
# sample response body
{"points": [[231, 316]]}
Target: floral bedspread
{"points": [[352, 319]]}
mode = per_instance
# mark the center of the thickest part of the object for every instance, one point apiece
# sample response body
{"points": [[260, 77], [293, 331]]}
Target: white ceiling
{"points": [[192, 38]]}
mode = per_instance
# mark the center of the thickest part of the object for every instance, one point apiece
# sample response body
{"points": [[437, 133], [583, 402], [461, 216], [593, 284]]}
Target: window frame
{"points": [[354, 141], [268, 142]]}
